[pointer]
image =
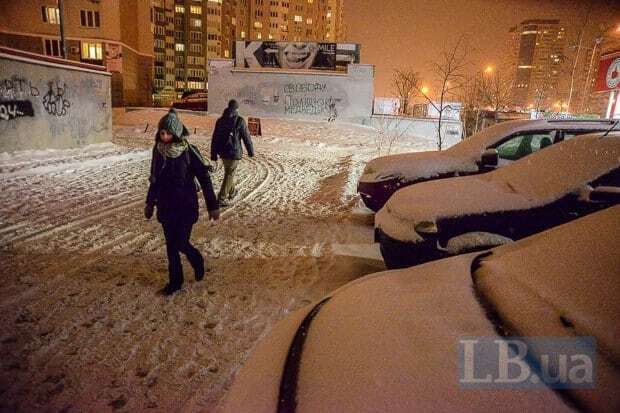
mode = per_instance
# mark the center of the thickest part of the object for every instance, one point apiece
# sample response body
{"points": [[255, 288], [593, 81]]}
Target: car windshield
{"points": [[478, 142]]}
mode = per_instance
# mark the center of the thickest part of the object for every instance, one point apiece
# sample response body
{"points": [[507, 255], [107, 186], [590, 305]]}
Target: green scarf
{"points": [[173, 149]]}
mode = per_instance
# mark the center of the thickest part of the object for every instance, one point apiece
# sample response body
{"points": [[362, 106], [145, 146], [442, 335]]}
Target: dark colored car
{"points": [[193, 101], [493, 147], [446, 217], [393, 341]]}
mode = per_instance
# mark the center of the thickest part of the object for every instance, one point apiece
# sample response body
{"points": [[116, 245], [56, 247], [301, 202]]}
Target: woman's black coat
{"points": [[173, 189]]}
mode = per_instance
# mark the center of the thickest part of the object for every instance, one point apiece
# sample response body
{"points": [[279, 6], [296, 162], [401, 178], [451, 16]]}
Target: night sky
{"points": [[399, 33]]}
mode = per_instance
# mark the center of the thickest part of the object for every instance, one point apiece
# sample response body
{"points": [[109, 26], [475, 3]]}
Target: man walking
{"points": [[229, 130]]}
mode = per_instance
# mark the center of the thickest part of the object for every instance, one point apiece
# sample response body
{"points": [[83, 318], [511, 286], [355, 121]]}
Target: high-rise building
{"points": [[539, 62], [186, 34], [114, 33]]}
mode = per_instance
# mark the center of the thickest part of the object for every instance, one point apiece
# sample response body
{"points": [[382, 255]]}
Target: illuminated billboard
{"points": [[296, 55]]}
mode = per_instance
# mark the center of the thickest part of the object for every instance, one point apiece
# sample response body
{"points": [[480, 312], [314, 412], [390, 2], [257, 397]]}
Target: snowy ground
{"points": [[82, 327]]}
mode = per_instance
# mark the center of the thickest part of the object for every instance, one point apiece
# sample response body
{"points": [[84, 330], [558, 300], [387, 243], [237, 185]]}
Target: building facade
{"points": [[281, 20], [114, 34], [539, 61], [188, 33]]}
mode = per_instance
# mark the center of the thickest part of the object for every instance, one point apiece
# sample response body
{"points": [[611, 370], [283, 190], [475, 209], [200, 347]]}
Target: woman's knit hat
{"points": [[173, 124]]}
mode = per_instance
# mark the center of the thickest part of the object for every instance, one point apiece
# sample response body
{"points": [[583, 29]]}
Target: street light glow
{"points": [[488, 69], [424, 90]]}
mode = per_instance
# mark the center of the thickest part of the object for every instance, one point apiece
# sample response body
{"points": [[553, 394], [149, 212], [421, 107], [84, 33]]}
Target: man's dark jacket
{"points": [[230, 130], [173, 188]]}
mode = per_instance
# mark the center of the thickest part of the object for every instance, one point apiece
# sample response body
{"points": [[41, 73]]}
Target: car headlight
{"points": [[426, 227]]}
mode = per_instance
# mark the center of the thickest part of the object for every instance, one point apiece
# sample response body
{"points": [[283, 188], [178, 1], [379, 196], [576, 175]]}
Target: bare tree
{"points": [[390, 129], [449, 75], [496, 90], [472, 101], [405, 83]]}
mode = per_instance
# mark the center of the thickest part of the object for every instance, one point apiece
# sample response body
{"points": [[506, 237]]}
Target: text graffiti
{"points": [[16, 88], [54, 101], [15, 109]]}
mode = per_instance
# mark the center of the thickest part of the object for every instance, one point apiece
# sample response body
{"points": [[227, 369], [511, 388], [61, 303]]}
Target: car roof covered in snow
{"points": [[533, 181], [463, 156], [387, 342]]}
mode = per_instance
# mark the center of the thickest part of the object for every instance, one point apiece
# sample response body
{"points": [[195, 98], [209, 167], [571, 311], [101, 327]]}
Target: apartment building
{"points": [[112, 33], [281, 20], [539, 61]]}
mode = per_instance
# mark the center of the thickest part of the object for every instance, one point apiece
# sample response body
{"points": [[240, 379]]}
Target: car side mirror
{"points": [[605, 194], [489, 158]]}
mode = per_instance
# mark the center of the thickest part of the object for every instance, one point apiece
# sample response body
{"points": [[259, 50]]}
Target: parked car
{"points": [[510, 140], [389, 342], [445, 217], [193, 101]]}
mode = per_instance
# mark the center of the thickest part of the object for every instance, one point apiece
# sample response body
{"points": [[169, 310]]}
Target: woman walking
{"points": [[175, 167]]}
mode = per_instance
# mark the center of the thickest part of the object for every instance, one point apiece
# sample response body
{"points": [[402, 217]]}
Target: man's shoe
{"points": [[224, 204], [170, 289], [199, 271]]}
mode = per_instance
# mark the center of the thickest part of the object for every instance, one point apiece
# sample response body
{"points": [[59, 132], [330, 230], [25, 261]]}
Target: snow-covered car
{"points": [[389, 342], [446, 217], [193, 101], [493, 147]]}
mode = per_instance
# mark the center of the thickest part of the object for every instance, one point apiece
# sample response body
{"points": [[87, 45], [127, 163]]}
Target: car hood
{"points": [[398, 354], [417, 166], [434, 200], [388, 341]]}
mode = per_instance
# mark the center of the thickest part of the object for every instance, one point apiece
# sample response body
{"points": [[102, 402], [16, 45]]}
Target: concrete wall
{"points": [[52, 105], [289, 94], [412, 128]]}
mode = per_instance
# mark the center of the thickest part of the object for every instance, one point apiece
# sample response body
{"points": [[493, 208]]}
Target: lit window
{"points": [[179, 47], [308, 20], [92, 51], [196, 23], [50, 15], [270, 36], [298, 18], [259, 36], [179, 9], [195, 9], [258, 25], [329, 14], [243, 35]]}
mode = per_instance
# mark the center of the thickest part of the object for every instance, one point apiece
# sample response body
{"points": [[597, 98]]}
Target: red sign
{"points": [[608, 73], [254, 126]]}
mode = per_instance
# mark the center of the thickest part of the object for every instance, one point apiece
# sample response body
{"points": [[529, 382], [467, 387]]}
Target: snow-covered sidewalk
{"points": [[81, 324]]}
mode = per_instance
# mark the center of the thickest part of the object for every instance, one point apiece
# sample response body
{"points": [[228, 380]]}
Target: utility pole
{"points": [[586, 91], [63, 44], [572, 76]]}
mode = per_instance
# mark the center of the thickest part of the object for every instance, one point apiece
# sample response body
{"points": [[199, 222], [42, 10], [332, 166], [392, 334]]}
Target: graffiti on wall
{"points": [[17, 88], [55, 102], [15, 109], [312, 99]]}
